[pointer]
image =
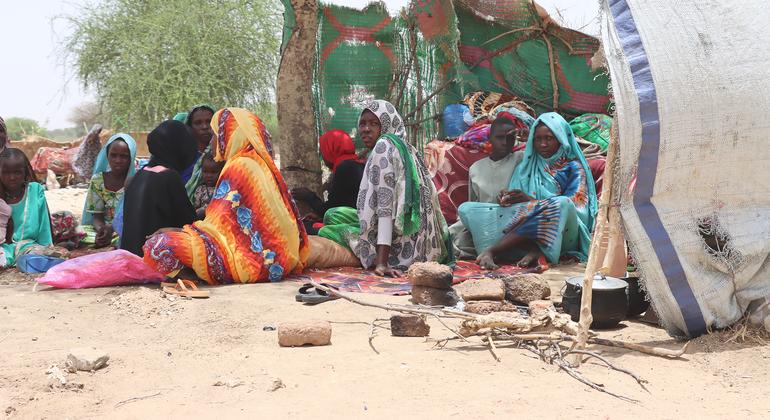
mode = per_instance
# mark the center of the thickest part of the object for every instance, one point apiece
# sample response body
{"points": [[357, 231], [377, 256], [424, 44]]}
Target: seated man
{"points": [[489, 177]]}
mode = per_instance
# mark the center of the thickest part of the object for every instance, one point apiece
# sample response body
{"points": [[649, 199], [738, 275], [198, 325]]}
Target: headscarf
{"points": [[392, 128], [103, 165], [173, 145], [188, 117], [181, 117], [234, 128], [336, 147], [390, 121], [532, 175]]}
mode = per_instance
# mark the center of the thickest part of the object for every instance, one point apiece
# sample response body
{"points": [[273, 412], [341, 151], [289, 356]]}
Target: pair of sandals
{"points": [[311, 295], [307, 294], [184, 288]]}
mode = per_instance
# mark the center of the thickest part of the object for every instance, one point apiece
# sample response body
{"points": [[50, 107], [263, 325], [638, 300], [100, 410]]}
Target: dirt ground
{"points": [[219, 358]]}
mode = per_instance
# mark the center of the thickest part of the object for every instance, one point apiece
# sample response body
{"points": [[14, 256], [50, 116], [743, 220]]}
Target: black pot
{"points": [[637, 298], [609, 305]]}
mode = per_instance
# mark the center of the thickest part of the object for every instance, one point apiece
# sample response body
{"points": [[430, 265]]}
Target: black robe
{"points": [[153, 201], [343, 189]]}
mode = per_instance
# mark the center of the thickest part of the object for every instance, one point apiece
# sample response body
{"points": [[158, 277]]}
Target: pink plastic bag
{"points": [[113, 268]]}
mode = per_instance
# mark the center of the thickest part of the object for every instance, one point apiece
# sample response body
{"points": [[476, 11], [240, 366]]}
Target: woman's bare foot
{"points": [[531, 259], [486, 260]]}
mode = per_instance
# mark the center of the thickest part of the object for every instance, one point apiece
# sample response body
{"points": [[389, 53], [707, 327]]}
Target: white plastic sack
{"points": [[691, 81]]}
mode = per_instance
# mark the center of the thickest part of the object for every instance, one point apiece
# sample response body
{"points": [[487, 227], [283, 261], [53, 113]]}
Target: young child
{"points": [[210, 171], [29, 210]]}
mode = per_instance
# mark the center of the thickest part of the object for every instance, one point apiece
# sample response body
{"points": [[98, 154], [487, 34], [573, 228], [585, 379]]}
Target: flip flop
{"points": [[310, 295], [184, 288]]}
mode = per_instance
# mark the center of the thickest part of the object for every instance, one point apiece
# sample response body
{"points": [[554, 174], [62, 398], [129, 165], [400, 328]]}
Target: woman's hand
{"points": [[383, 270], [514, 197], [104, 236]]}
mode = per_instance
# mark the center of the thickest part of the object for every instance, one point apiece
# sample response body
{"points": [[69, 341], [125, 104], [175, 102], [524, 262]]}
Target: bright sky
{"points": [[35, 85]]}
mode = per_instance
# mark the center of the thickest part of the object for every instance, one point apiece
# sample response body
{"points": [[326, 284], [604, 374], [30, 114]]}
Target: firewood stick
{"points": [[592, 266]]}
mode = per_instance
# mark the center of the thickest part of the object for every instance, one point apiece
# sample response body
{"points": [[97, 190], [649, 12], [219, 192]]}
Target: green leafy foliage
{"points": [[19, 128], [148, 59]]}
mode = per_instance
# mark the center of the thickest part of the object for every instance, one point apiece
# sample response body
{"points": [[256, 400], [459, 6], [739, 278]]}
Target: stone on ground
{"points": [[86, 359], [300, 333], [525, 288], [430, 296], [409, 326], [539, 308], [481, 289], [431, 274]]}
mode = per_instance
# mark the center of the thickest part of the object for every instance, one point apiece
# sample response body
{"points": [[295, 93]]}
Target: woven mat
{"points": [[349, 279]]}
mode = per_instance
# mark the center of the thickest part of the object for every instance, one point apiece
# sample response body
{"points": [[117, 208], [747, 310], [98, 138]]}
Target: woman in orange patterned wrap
{"points": [[252, 232]]}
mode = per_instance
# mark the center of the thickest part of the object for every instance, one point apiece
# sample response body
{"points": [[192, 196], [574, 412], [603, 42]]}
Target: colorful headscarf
{"points": [[103, 165], [233, 130], [532, 175], [390, 121], [336, 147]]}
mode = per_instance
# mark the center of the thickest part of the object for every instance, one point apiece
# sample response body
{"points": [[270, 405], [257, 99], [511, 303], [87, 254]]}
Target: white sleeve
{"points": [[385, 230]]}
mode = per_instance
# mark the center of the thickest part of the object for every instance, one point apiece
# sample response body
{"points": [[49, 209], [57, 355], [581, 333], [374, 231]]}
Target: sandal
{"points": [[310, 295], [184, 288]]}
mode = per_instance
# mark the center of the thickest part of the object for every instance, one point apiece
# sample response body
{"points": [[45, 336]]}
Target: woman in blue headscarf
{"points": [[114, 164], [549, 209]]}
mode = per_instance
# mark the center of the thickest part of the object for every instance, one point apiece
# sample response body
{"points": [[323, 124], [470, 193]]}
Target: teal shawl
{"points": [[532, 175]]}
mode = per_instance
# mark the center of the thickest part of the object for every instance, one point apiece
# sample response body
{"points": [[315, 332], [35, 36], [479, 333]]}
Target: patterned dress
{"points": [[252, 232], [101, 200], [396, 184]]}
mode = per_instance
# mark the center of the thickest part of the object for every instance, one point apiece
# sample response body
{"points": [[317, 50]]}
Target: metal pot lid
{"points": [[600, 282]]}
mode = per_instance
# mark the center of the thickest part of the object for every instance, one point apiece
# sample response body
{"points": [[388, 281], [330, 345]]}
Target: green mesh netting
{"points": [[455, 48]]}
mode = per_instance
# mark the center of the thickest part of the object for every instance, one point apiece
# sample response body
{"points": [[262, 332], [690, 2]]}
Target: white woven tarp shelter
{"points": [[691, 81]]}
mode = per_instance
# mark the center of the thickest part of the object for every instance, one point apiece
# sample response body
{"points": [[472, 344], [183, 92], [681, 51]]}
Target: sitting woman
{"points": [[114, 165], [156, 198], [397, 221], [549, 209], [31, 222], [199, 121], [339, 154], [252, 232]]}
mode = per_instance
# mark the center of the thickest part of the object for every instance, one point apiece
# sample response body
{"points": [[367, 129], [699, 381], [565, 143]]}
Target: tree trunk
{"points": [[300, 164]]}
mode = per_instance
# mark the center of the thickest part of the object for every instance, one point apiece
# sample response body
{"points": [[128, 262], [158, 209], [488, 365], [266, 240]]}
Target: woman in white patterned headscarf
{"points": [[397, 220]]}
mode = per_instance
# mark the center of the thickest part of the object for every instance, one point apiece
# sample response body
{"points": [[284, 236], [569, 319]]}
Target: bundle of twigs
{"points": [[550, 335]]}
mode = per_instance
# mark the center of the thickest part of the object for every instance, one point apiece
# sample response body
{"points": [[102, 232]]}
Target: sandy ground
{"points": [[219, 358]]}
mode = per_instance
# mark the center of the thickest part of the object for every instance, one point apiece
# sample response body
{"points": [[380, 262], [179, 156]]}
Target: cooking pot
{"points": [[609, 305], [637, 298]]}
